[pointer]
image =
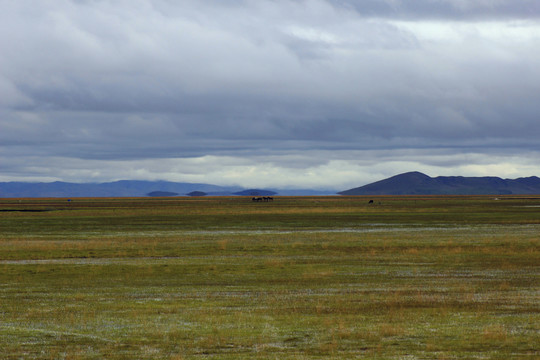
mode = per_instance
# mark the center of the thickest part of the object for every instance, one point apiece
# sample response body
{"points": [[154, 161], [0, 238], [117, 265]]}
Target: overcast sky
{"points": [[317, 93]]}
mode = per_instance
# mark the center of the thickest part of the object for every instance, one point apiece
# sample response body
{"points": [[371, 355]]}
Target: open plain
{"points": [[411, 277]]}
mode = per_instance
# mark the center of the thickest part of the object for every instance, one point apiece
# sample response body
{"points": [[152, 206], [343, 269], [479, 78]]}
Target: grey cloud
{"points": [[445, 9], [121, 81]]}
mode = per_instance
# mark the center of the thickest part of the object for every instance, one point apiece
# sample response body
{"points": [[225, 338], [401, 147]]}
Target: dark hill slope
{"points": [[416, 183]]}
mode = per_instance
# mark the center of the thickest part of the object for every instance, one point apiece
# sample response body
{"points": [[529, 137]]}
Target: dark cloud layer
{"points": [[445, 9], [305, 88]]}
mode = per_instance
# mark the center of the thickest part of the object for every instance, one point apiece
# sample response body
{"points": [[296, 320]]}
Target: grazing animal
{"points": [[370, 202], [264, 198]]}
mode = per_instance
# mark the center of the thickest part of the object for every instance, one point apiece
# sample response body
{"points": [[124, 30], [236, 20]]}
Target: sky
{"points": [[322, 94]]}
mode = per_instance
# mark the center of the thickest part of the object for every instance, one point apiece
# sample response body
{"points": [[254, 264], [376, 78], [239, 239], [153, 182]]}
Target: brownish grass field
{"points": [[296, 278]]}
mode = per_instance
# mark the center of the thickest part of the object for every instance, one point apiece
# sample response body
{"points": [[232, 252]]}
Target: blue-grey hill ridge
{"points": [[136, 188]]}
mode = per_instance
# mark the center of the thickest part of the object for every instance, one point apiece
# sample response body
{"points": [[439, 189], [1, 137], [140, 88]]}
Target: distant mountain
{"points": [[416, 183], [161, 193], [197, 193], [304, 192], [123, 188], [136, 188], [255, 192]]}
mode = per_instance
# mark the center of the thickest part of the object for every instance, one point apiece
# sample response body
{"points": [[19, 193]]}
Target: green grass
{"points": [[298, 278]]}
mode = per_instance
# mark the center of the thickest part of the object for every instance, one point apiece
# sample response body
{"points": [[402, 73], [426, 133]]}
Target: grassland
{"points": [[297, 278]]}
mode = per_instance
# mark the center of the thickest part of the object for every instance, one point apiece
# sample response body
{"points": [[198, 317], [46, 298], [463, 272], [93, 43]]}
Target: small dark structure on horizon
{"points": [[264, 198]]}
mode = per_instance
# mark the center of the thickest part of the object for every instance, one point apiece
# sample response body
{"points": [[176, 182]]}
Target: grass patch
{"points": [[307, 277]]}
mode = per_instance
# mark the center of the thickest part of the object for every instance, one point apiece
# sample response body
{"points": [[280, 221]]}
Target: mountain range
{"points": [[135, 188], [411, 183], [416, 183]]}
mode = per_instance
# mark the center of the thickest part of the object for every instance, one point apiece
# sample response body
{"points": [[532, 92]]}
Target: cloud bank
{"points": [[268, 93]]}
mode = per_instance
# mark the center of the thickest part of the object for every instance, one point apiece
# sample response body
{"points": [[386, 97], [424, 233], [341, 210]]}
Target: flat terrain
{"points": [[296, 278]]}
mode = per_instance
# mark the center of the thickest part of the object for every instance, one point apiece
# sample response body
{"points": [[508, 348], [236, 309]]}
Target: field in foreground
{"points": [[296, 278]]}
